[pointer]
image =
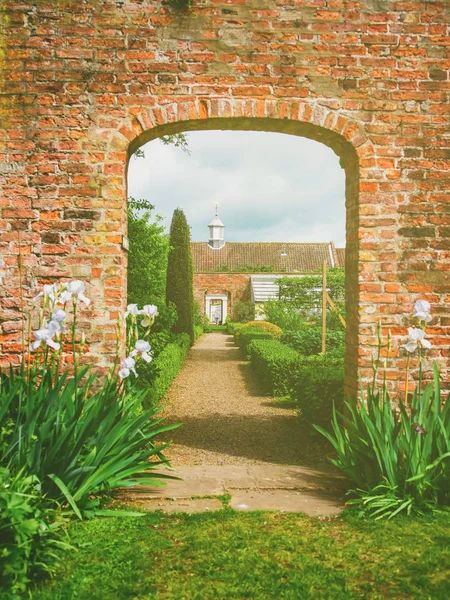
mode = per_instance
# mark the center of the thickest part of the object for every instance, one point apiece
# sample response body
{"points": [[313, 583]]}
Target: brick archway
{"points": [[86, 83], [346, 137]]}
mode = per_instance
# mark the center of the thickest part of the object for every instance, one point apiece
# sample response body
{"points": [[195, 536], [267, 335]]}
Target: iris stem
{"points": [[407, 379]]}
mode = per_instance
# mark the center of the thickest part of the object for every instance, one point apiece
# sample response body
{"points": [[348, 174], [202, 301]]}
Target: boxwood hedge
{"points": [[312, 382], [168, 363], [246, 335]]}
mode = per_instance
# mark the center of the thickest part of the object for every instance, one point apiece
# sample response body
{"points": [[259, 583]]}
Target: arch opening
{"points": [[349, 161]]}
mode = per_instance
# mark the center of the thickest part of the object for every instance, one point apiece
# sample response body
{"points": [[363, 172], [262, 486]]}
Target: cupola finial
{"points": [[216, 231]]}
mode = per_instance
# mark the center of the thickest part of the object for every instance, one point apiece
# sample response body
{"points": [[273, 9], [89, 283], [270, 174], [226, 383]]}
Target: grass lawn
{"points": [[226, 555]]}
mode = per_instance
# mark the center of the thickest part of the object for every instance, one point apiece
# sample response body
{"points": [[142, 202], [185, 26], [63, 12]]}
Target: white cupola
{"points": [[216, 233]]}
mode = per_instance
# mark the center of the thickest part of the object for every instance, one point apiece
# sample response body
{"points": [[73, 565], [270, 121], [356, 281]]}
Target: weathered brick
{"points": [[373, 85]]}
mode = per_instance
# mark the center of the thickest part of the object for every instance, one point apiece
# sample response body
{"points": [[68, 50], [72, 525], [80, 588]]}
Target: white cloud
{"points": [[271, 187]]}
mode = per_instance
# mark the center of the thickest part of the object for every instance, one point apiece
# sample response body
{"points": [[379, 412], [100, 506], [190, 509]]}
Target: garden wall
{"points": [[86, 83]]}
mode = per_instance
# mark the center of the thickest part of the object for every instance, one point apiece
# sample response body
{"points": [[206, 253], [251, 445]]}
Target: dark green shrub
{"points": [[168, 364], [308, 340], [147, 255], [180, 274], [313, 382], [275, 366], [198, 331], [233, 327], [284, 314], [318, 384], [30, 532], [201, 319], [243, 312], [248, 334]]}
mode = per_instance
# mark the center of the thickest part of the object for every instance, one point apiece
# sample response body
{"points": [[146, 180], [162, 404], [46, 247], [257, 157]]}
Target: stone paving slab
{"points": [[313, 503], [213, 480], [190, 506], [286, 477], [254, 487]]}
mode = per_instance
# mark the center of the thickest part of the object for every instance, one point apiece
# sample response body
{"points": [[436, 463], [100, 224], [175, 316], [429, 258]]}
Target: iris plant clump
{"points": [[58, 425], [398, 455], [71, 437]]}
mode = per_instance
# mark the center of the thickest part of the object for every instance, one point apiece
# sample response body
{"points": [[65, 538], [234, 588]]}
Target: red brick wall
{"points": [[86, 83], [236, 285]]}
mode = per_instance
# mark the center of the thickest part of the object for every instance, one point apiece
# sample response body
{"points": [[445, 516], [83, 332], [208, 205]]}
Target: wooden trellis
{"points": [[327, 300]]}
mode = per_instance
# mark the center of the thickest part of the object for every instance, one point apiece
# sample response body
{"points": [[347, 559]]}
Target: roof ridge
{"points": [[297, 243]]}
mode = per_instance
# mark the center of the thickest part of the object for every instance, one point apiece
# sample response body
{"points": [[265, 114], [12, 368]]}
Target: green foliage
{"points": [[75, 441], [179, 5], [246, 269], [312, 382], [257, 555], [201, 319], [318, 386], [30, 532], [179, 140], [233, 327], [246, 335], [147, 255], [159, 336], [198, 331], [274, 330], [180, 274], [305, 293], [168, 364], [398, 459], [308, 340], [283, 314], [274, 365], [243, 312]]}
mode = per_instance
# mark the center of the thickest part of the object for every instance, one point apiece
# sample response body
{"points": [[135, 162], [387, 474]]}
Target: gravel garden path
{"points": [[225, 417], [236, 443]]}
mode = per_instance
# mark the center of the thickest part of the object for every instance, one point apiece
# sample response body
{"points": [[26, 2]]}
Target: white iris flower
{"points": [[416, 339], [132, 309], [128, 365], [74, 290], [422, 310], [143, 348], [150, 312], [46, 334]]}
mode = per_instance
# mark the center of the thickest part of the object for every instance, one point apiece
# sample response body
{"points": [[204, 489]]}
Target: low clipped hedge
{"points": [[245, 336], [318, 383], [233, 327], [274, 330], [314, 383], [275, 365], [168, 363]]}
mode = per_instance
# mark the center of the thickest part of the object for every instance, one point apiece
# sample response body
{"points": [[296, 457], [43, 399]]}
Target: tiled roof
{"points": [[340, 256], [293, 257]]}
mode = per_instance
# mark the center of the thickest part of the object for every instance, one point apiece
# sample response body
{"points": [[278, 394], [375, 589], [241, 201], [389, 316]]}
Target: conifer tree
{"points": [[180, 274]]}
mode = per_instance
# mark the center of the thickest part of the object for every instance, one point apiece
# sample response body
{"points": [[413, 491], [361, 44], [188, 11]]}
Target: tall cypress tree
{"points": [[180, 274]]}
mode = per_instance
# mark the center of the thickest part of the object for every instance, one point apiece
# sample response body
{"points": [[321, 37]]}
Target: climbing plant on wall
{"points": [[181, 4], [180, 274]]}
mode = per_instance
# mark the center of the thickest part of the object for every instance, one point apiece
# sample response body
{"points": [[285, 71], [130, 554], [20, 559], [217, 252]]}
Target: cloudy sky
{"points": [[270, 187]]}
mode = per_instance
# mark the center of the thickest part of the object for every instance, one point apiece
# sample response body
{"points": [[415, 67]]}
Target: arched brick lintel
{"points": [[310, 120], [344, 136]]}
